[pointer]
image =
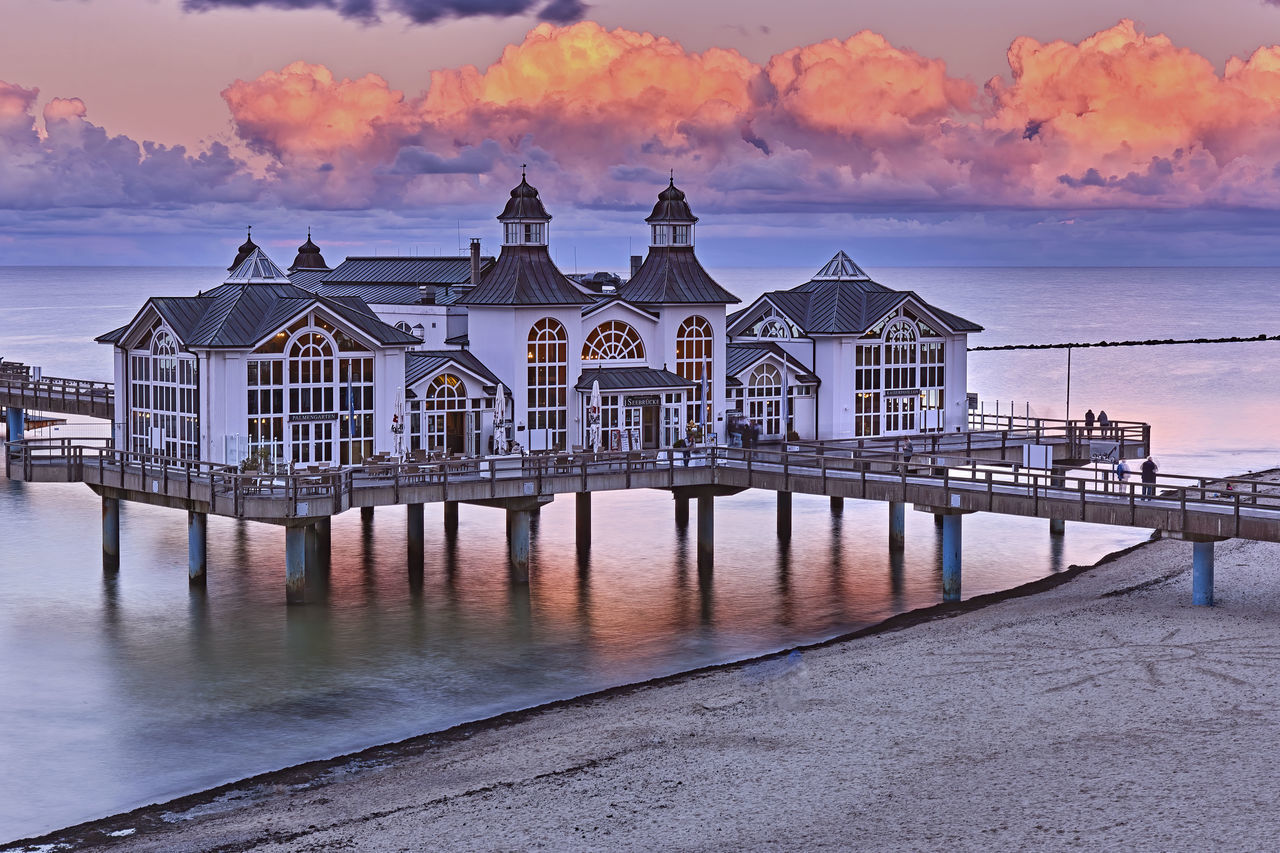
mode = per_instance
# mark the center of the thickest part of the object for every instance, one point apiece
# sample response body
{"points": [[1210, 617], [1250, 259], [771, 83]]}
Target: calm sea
{"points": [[127, 690]]}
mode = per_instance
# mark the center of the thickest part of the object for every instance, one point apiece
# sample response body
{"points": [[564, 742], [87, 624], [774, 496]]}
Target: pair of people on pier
{"points": [[1104, 423]]}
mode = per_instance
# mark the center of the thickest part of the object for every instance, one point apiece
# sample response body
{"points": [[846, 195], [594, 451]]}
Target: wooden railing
{"points": [[56, 394], [869, 473]]}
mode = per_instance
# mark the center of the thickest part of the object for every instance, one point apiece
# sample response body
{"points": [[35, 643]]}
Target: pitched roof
{"points": [[631, 379], [842, 268], [525, 275], [379, 294], [307, 278], [672, 274], [419, 364], [257, 268], [450, 270], [739, 357]]}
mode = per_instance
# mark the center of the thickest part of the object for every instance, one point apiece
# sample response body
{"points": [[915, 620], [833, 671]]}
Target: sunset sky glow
{"points": [[152, 131]]}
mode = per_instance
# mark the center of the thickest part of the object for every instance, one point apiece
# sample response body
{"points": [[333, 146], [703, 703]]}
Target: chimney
{"points": [[636, 261], [475, 261]]}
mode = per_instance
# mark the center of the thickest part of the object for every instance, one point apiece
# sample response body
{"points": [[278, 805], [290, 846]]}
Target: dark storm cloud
{"points": [[418, 11]]}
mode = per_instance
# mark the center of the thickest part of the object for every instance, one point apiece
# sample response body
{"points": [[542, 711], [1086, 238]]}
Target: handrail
{"points": [[951, 472]]}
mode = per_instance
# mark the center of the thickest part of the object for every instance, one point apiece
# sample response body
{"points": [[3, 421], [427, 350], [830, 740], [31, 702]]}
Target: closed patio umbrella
{"points": [[593, 416], [499, 421]]}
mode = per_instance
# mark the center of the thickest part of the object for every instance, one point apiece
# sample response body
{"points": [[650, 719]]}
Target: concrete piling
{"points": [[706, 530], [1057, 526], [784, 515], [583, 518], [366, 514], [416, 531], [897, 525], [837, 506], [16, 423], [295, 564], [451, 518], [197, 547], [682, 512], [110, 534], [518, 527], [951, 549], [324, 543], [1202, 574]]}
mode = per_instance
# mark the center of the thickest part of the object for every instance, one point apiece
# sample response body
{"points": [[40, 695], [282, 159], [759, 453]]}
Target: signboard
{"points": [[615, 439], [313, 416], [902, 392], [641, 400], [972, 397], [1037, 455], [1104, 451]]}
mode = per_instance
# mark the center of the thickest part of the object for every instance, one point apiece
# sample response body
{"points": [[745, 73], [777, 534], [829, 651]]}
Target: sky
{"points": [[917, 132]]}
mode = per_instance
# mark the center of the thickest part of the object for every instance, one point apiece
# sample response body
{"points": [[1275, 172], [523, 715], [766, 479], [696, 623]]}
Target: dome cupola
{"points": [[244, 251], [524, 219], [309, 257], [671, 223]]}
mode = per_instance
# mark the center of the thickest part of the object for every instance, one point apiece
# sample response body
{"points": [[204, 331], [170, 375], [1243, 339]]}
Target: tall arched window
{"points": [[900, 387], [694, 352], [548, 384], [613, 340], [311, 371], [764, 399], [164, 414]]}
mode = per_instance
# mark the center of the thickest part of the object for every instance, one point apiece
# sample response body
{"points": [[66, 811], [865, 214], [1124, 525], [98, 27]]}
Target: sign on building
{"points": [[1104, 451]]}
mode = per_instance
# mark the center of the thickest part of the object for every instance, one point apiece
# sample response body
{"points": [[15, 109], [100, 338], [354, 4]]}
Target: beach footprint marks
{"points": [[1059, 662]]}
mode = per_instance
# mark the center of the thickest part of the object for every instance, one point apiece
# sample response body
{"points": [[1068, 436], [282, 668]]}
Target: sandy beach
{"points": [[1102, 711]]}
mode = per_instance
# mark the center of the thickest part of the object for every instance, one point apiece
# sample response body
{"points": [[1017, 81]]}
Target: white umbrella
{"points": [[499, 421], [397, 426], [593, 416]]}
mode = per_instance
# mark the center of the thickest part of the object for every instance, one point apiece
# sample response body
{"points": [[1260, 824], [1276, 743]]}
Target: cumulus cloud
{"points": [[417, 11]]}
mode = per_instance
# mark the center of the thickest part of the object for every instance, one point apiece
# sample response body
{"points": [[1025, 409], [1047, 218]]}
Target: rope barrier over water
{"points": [[1151, 342]]}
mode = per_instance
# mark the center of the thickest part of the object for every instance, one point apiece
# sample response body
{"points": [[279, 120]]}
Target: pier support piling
{"points": [[16, 423], [682, 512], [416, 531], [897, 525], [706, 531], [197, 547], [837, 506], [110, 534], [937, 519], [518, 527], [1057, 526], [451, 518], [295, 564], [1202, 574], [784, 515], [366, 514], [324, 543], [583, 517], [951, 550]]}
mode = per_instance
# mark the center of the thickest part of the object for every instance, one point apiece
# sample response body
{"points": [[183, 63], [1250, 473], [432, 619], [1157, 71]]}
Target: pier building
{"points": [[329, 365]]}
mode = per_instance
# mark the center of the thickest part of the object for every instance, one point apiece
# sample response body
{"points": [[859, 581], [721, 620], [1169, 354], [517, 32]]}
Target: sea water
{"points": [[130, 689]]}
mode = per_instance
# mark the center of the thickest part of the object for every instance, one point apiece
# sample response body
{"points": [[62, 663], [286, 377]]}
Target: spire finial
{"points": [[523, 166], [673, 177], [308, 232], [249, 229]]}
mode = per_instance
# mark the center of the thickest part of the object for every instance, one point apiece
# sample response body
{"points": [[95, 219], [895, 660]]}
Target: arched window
{"points": [[773, 328], [900, 357], [443, 421], [548, 384], [764, 399], [164, 410], [613, 340], [694, 352]]}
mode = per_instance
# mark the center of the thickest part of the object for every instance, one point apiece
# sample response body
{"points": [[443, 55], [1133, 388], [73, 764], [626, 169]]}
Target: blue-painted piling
{"points": [[16, 423], [951, 557], [897, 525], [295, 564], [110, 534], [1202, 574], [518, 524], [197, 547]]}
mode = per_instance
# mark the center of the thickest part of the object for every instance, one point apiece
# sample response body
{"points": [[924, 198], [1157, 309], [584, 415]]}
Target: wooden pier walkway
{"points": [[947, 484]]}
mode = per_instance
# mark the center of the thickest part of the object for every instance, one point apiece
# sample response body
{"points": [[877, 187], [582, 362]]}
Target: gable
{"points": [[749, 319]]}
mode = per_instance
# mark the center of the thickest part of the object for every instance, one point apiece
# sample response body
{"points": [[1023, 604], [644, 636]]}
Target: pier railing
{"points": [[1223, 507], [57, 394]]}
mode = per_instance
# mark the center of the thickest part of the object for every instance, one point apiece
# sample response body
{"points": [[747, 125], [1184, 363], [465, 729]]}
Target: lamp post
{"points": [[1068, 418]]}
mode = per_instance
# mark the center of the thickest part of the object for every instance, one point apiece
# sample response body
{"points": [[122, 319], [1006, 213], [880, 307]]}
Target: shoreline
{"points": [[318, 772]]}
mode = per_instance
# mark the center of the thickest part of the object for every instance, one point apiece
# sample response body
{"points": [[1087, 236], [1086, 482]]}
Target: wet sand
{"points": [[1103, 711]]}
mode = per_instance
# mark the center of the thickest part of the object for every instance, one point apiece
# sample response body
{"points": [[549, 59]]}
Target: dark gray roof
{"points": [[606, 301], [631, 379], [379, 294], [671, 207], [307, 278], [524, 204], [241, 315], [449, 270], [672, 274], [847, 307], [309, 257], [740, 357], [419, 364], [525, 275]]}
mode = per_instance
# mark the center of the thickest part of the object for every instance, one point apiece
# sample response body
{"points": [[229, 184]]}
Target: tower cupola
{"points": [[309, 257], [244, 251], [671, 223], [525, 222]]}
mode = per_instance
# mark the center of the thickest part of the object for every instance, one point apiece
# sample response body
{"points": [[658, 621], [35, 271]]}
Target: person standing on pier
{"points": [[1088, 423], [1149, 469], [1104, 423], [908, 450]]}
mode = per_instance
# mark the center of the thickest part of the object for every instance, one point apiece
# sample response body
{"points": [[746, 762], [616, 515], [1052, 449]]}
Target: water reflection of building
{"points": [[308, 366]]}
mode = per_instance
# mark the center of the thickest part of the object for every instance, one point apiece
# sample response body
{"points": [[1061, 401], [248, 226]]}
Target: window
{"points": [[442, 422], [764, 399], [773, 327], [164, 411], [548, 384], [613, 340], [680, 235], [900, 388], [866, 390], [525, 233], [661, 235], [693, 362]]}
